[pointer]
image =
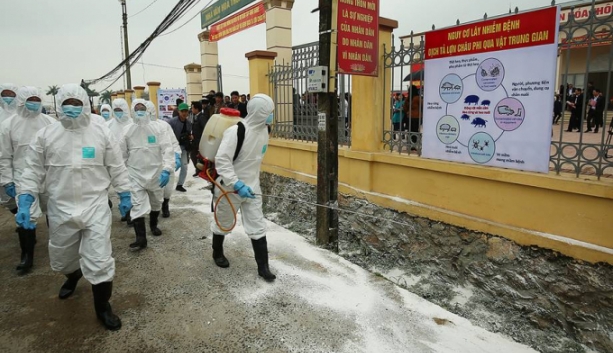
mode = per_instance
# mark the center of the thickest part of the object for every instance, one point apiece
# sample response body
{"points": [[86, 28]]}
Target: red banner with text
{"points": [[358, 37], [251, 16], [518, 31]]}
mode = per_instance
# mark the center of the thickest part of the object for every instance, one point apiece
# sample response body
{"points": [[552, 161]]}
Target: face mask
{"points": [[33, 106], [106, 115], [72, 111], [270, 119], [141, 113], [8, 100], [119, 115]]}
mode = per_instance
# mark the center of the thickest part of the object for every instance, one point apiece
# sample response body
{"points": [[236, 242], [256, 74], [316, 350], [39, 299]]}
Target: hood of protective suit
{"points": [[109, 108], [144, 120], [75, 91], [22, 96], [258, 109], [151, 111], [9, 108], [123, 105]]}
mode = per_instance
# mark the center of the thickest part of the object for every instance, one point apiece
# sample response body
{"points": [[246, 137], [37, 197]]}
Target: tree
{"points": [[91, 93], [52, 91], [106, 96]]}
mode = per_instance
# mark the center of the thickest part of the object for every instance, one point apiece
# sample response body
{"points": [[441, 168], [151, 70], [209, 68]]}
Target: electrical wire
{"points": [[175, 14], [148, 6], [188, 21]]}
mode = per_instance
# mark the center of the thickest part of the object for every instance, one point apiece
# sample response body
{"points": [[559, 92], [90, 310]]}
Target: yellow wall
{"points": [[512, 204]]}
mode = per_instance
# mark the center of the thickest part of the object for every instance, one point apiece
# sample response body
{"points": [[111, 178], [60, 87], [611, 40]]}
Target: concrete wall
{"points": [[555, 212]]}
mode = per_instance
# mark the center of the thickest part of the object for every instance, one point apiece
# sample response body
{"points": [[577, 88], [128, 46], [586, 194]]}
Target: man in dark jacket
{"points": [[236, 104], [201, 117], [595, 111]]}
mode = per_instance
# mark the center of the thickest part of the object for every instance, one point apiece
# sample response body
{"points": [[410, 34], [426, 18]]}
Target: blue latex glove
{"points": [[125, 203], [177, 161], [10, 190], [164, 178], [23, 214], [243, 190]]}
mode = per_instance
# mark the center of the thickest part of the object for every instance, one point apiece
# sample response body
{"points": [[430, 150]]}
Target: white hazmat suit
{"points": [[245, 170], [117, 125], [148, 153], [76, 162], [16, 133], [168, 189], [7, 110]]}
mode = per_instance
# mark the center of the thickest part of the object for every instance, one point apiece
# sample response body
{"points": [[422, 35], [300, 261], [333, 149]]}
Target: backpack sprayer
{"points": [[209, 145]]}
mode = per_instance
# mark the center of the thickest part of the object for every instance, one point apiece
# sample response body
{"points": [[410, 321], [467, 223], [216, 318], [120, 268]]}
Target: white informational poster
{"points": [[167, 99], [489, 89]]}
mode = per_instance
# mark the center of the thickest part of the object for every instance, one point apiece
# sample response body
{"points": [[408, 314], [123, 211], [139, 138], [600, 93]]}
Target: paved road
{"points": [[172, 297]]}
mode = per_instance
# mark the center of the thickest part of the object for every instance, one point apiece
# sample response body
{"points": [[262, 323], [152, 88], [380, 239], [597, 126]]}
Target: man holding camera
{"points": [[183, 132]]}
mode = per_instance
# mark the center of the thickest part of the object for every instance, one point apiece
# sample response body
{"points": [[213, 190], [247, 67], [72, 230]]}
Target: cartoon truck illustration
{"points": [[457, 87], [465, 117], [453, 129], [505, 110], [447, 86], [445, 127], [472, 99], [479, 122], [486, 103]]}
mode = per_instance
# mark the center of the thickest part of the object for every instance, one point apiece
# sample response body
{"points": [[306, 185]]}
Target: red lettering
{"points": [[585, 14], [563, 17], [599, 11], [607, 9]]}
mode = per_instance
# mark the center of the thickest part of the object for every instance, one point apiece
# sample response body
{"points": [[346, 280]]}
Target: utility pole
{"points": [[327, 140], [124, 10]]}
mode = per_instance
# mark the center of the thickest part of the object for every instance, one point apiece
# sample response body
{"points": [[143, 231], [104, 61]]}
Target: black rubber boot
{"points": [[153, 223], [165, 209], [141, 235], [110, 204], [104, 312], [70, 285], [220, 259], [260, 249], [129, 219], [14, 210], [27, 239]]}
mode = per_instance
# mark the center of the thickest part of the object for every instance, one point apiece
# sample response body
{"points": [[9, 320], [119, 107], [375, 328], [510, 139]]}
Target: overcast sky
{"points": [[47, 42]]}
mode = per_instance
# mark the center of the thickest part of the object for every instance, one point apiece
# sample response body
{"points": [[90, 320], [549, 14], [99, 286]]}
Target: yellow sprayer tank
{"points": [[214, 129]]}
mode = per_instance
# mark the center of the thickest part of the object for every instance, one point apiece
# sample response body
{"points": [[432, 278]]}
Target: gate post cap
{"points": [[261, 54]]}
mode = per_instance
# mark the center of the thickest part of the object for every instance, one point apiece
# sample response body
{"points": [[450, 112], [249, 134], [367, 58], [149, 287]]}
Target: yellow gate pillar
{"points": [[209, 59], [279, 28], [153, 93], [194, 82], [121, 95], [138, 92], [370, 98], [128, 97], [113, 97], [260, 62]]}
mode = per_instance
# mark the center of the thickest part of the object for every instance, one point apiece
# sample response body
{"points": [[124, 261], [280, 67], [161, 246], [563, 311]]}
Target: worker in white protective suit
{"points": [[168, 189], [8, 105], [16, 133], [243, 176], [120, 118], [106, 111], [76, 161], [149, 156]]}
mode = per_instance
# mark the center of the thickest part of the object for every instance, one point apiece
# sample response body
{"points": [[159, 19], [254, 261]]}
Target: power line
{"points": [[175, 14], [188, 21], [148, 6]]}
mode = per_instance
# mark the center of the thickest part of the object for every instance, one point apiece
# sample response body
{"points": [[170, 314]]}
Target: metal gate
{"points": [[295, 107], [219, 79], [586, 33]]}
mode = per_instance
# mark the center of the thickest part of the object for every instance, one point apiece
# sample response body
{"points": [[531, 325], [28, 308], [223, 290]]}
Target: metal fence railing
{"points": [[296, 108], [585, 61]]}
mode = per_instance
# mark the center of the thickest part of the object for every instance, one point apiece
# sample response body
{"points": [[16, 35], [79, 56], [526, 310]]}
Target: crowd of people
{"points": [[65, 168], [575, 100]]}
